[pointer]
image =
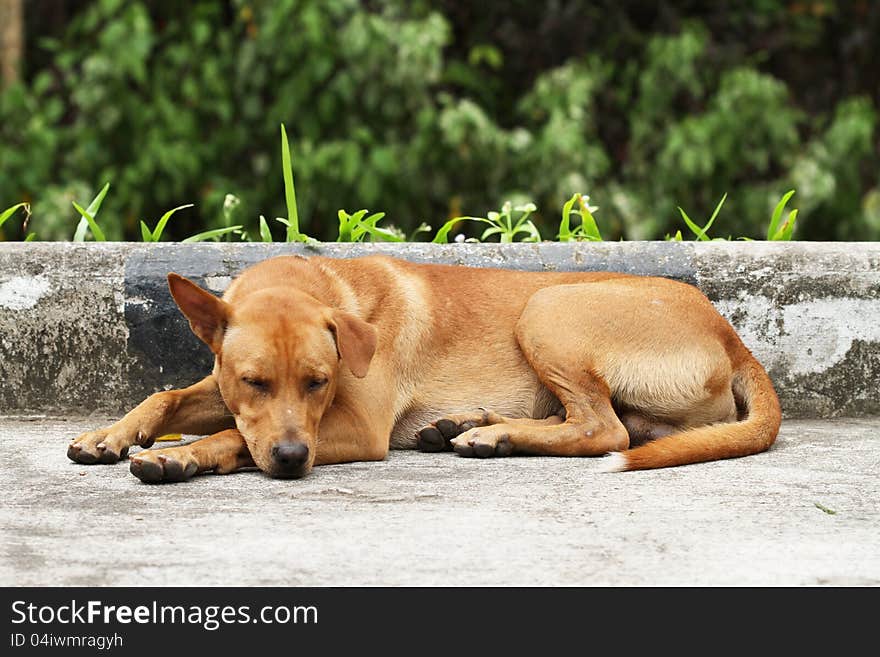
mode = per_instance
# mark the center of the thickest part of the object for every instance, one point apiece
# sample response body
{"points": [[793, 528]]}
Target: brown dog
{"points": [[329, 361]]}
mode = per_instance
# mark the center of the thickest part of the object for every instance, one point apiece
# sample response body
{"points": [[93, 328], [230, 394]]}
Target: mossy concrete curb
{"points": [[92, 328]]}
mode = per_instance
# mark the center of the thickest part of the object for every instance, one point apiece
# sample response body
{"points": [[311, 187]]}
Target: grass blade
{"points": [[146, 235], [588, 222], [345, 221], [11, 211], [31, 237], [777, 214], [384, 234], [265, 233], [368, 227], [293, 233], [351, 226], [374, 218], [825, 509], [785, 231], [494, 230], [789, 227], [160, 227], [591, 229], [529, 229], [97, 233], [80, 234], [211, 234], [714, 215], [696, 230], [442, 236], [564, 234]]}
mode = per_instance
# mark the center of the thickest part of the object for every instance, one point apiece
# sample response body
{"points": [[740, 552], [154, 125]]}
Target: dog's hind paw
{"points": [[164, 465], [483, 442]]}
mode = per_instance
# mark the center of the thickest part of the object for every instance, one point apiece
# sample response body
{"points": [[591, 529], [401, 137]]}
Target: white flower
{"points": [[230, 202], [585, 200]]}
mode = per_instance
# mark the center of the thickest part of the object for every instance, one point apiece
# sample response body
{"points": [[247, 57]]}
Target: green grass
{"points": [[88, 223], [508, 224], [784, 232], [156, 234], [512, 223], [702, 233], [588, 230], [293, 234], [8, 212], [87, 218]]}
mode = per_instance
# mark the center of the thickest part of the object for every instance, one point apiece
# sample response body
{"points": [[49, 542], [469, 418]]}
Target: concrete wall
{"points": [[91, 327]]}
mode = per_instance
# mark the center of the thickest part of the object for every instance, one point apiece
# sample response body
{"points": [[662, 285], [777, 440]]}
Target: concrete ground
{"points": [[807, 512]]}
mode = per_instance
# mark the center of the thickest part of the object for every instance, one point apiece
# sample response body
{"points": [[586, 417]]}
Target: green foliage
{"points": [[588, 230], [87, 217], [8, 212], [431, 110], [156, 234], [510, 222], [88, 222], [213, 234], [355, 227], [265, 233], [293, 234], [775, 231], [702, 233], [784, 232]]}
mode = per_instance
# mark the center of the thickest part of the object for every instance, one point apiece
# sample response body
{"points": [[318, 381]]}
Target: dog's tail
{"points": [[760, 415]]}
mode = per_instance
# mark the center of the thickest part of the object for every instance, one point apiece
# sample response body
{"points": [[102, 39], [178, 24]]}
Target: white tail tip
{"points": [[613, 462]]}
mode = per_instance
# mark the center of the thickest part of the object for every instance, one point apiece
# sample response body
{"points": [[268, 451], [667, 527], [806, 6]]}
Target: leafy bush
{"points": [[512, 223], [435, 109]]}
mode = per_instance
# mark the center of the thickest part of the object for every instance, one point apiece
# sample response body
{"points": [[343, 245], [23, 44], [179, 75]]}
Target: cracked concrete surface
{"points": [[805, 513]]}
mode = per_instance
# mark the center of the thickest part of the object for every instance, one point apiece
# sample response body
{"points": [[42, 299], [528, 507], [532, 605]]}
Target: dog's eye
{"points": [[257, 384], [316, 384]]}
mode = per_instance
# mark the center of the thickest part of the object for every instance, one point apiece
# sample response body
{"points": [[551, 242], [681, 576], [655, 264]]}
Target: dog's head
{"points": [[279, 357]]}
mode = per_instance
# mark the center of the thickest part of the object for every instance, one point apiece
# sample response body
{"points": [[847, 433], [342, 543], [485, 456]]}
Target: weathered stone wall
{"points": [[92, 328]]}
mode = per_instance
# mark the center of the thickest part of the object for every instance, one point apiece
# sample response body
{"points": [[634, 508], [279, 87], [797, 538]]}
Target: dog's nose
{"points": [[290, 455]]}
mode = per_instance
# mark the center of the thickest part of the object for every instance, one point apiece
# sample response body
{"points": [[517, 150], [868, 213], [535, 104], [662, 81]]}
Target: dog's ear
{"points": [[206, 313], [355, 341]]}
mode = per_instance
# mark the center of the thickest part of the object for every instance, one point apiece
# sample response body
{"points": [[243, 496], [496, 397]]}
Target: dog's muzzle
{"points": [[290, 459]]}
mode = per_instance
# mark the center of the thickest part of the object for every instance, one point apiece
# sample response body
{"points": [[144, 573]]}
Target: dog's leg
{"points": [[221, 453], [577, 338], [198, 409], [348, 433], [437, 436], [227, 451], [591, 427]]}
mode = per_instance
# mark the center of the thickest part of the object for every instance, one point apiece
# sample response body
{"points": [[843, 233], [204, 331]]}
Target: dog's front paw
{"points": [[164, 465], [99, 446], [437, 436], [483, 442]]}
